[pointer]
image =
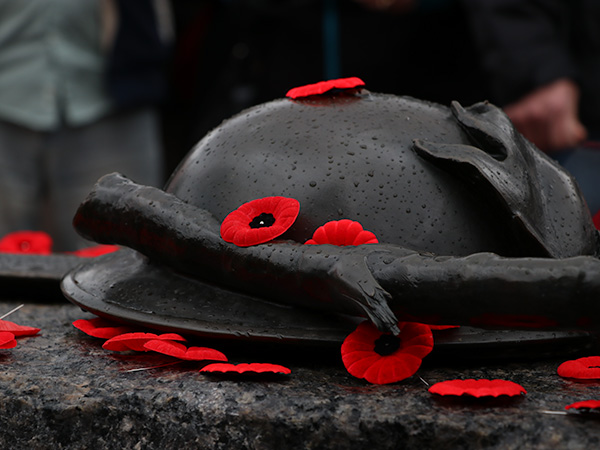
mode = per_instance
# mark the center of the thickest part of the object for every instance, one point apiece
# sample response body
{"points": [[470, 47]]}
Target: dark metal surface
{"points": [[124, 286]]}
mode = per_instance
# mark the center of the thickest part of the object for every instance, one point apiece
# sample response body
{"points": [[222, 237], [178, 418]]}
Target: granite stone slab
{"points": [[62, 390]]}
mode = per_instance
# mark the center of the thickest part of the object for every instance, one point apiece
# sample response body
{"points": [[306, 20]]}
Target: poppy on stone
{"points": [[245, 368], [135, 341], [383, 358], [180, 351], [34, 242], [478, 388], [587, 368]]}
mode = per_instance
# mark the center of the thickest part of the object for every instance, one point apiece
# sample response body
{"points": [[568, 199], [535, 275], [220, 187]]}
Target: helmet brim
{"points": [[126, 287]]}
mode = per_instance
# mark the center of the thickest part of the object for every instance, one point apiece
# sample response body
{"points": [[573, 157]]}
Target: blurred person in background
{"points": [[542, 58], [79, 85]]}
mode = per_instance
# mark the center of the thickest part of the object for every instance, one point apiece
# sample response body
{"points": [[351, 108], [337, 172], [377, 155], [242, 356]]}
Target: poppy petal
{"points": [[587, 368], [178, 350], [596, 220], [324, 86], [18, 330], [135, 341], [7, 340], [34, 242], [393, 369], [259, 221], [97, 250], [585, 404], [363, 357], [246, 368], [358, 364], [419, 341], [477, 388], [342, 232], [102, 328]]}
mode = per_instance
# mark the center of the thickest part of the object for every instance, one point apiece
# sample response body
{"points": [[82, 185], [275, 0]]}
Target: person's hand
{"points": [[548, 116]]}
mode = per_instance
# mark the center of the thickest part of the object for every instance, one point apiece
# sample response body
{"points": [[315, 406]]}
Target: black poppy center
{"points": [[387, 344], [263, 220]]}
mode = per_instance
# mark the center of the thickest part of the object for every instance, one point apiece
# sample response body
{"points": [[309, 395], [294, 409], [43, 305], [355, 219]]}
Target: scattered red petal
{"points": [[97, 250], [587, 368], [180, 351], [478, 388], [324, 86], [513, 321], [34, 242], [342, 232], [136, 341], [245, 226], [7, 340], [585, 404], [361, 359], [102, 328], [596, 220], [251, 368], [18, 330]]}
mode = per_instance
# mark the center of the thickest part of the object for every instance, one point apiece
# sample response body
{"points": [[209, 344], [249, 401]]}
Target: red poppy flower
{"points": [[251, 368], [180, 351], [342, 232], [17, 330], [586, 404], [102, 328], [97, 250], [7, 340], [135, 341], [260, 220], [478, 388], [324, 86], [34, 242], [383, 358], [587, 368]]}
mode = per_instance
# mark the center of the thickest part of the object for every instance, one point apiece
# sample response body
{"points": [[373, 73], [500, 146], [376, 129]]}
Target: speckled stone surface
{"points": [[62, 390]]}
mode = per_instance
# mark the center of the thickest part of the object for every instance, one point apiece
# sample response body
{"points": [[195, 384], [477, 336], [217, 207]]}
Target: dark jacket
{"points": [[140, 53], [525, 44]]}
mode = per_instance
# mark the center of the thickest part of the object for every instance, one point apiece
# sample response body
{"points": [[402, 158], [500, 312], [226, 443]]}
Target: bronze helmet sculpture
{"points": [[473, 221]]}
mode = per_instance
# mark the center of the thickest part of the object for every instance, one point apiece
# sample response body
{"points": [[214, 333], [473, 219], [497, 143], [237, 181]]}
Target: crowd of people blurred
{"points": [[95, 86]]}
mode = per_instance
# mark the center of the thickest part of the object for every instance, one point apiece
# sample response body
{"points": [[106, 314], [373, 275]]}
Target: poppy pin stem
{"points": [[554, 413], [140, 369], [12, 311], [424, 382]]}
